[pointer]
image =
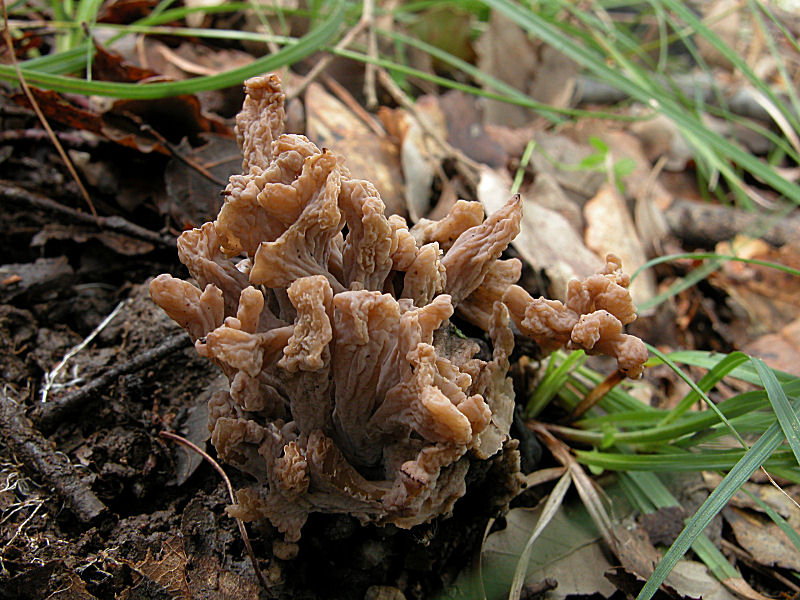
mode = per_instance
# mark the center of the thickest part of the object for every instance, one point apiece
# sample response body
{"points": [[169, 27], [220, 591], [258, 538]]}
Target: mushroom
{"points": [[350, 390]]}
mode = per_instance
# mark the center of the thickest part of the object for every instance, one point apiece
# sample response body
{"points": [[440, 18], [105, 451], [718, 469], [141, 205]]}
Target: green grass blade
{"points": [[707, 144], [552, 382], [784, 526], [713, 255], [680, 461], [690, 424], [736, 59], [759, 454], [787, 419], [313, 41], [691, 280], [554, 501], [708, 381], [659, 496], [745, 372], [696, 389]]}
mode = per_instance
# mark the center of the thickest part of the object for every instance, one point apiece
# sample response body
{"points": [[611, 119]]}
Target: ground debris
{"points": [[38, 456]]}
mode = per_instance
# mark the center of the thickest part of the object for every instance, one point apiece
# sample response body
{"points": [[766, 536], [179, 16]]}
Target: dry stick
{"points": [[324, 62], [242, 530], [597, 394], [11, 191], [347, 98], [50, 414], [35, 105], [753, 563], [702, 224], [368, 14], [55, 469], [74, 140], [181, 157]]}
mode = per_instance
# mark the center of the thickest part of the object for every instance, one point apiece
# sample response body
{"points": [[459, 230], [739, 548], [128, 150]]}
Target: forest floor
{"points": [[96, 503]]}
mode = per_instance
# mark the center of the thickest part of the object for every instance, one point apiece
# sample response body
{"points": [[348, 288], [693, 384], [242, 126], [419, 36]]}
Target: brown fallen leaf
{"points": [[195, 180], [110, 66], [191, 58], [779, 350], [610, 229], [330, 124], [547, 192], [125, 11], [420, 156], [167, 572], [528, 64], [546, 239], [560, 156], [763, 539], [775, 498], [466, 132], [769, 297]]}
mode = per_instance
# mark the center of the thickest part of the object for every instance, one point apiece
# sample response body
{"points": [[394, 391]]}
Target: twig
{"points": [[242, 530], [11, 191], [370, 93], [598, 393], [323, 63], [50, 378], [753, 563], [35, 105], [50, 414], [55, 469], [175, 151], [74, 140], [702, 224], [351, 103]]}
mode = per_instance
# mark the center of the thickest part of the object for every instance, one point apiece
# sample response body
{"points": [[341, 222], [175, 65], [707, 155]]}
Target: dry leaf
{"points": [[169, 571], [569, 550], [560, 156], [779, 350], [546, 239], [610, 229], [547, 192], [420, 156], [465, 129], [763, 539], [507, 52], [771, 298], [331, 124], [191, 197]]}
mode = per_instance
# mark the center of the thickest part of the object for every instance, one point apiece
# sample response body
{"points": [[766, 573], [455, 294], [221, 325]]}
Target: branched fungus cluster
{"points": [[350, 392]]}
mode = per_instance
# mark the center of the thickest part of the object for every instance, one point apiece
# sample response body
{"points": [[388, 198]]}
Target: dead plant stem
{"points": [[242, 530], [364, 22]]}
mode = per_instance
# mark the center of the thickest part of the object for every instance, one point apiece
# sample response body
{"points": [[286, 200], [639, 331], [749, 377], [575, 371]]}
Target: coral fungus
{"points": [[349, 393]]}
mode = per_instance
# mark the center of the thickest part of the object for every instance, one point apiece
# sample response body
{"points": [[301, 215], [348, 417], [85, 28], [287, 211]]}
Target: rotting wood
{"points": [[702, 224], [39, 457]]}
